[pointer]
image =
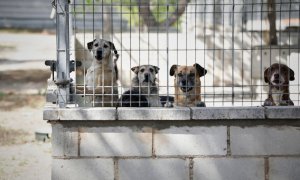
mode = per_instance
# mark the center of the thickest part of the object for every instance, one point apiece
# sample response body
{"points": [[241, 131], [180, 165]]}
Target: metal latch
{"points": [[52, 64]]}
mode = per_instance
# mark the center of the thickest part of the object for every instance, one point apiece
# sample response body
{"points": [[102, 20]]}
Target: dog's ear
{"points": [[156, 69], [173, 69], [200, 70], [135, 69], [112, 47], [292, 74], [90, 45], [266, 75]]}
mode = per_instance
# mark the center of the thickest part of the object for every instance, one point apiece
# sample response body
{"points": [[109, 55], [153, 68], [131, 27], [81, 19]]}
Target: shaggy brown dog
{"points": [[144, 91]]}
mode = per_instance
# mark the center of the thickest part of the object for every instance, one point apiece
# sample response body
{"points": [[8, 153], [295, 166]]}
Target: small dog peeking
{"points": [[144, 91], [278, 77], [188, 85], [101, 77]]}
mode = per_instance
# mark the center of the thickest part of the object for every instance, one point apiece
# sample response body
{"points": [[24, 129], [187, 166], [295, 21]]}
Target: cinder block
{"points": [[191, 141], [78, 169], [116, 141], [264, 140], [154, 113], [227, 113], [283, 112], [284, 168], [64, 141], [150, 169], [228, 168], [103, 113], [50, 113]]}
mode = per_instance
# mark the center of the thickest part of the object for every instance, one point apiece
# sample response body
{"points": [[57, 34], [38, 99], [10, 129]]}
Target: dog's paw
{"points": [[268, 103], [290, 102], [201, 104], [286, 103], [169, 104]]}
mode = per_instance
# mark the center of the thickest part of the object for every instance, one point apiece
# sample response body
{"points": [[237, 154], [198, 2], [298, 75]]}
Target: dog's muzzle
{"points": [[276, 79], [147, 78], [99, 55], [186, 89], [185, 86]]}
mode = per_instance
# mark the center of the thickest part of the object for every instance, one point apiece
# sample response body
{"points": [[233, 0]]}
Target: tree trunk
{"points": [[146, 14], [107, 23], [149, 19], [272, 21]]}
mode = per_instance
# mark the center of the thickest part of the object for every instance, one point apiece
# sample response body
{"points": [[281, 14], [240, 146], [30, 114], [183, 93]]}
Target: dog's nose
{"points": [[183, 82], [276, 76], [99, 54], [146, 77]]}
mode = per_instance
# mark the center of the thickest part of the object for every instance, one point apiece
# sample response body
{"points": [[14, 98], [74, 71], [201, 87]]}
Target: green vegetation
{"points": [[150, 13]]}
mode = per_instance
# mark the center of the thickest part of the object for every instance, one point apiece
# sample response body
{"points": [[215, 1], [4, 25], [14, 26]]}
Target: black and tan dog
{"points": [[144, 91], [278, 77], [101, 77], [188, 85]]}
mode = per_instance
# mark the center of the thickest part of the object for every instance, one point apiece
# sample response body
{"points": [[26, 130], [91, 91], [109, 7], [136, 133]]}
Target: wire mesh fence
{"points": [[153, 53]]}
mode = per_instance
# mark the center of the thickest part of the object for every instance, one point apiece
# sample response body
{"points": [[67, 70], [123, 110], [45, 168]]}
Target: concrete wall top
{"points": [[183, 113]]}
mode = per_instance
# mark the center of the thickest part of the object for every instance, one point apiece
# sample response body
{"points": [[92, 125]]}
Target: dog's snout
{"points": [[276, 75], [146, 77], [99, 54], [183, 82]]}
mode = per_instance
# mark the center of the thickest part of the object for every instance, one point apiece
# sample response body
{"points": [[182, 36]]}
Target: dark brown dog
{"points": [[278, 77], [188, 85]]}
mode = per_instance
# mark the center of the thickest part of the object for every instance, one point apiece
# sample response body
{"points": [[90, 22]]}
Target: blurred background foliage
{"points": [[150, 13]]}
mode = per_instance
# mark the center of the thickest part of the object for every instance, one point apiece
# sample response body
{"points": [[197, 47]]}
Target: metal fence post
{"points": [[63, 55]]}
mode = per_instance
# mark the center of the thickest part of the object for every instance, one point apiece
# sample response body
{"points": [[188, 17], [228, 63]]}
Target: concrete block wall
{"points": [[222, 145]]}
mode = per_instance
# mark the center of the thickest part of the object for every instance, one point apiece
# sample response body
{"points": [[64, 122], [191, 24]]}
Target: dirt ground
{"points": [[22, 97], [21, 156]]}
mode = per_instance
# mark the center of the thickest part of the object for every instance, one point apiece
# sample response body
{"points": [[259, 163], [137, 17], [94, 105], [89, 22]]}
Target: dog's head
{"points": [[278, 74], [102, 49], [187, 76], [146, 73]]}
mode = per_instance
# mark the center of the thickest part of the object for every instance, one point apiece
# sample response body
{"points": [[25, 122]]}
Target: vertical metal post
{"points": [[167, 29], [233, 57], [63, 55]]}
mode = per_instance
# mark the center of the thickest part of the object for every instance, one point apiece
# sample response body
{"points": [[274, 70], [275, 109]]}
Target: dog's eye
{"points": [[105, 46], [96, 45], [142, 70], [151, 70]]}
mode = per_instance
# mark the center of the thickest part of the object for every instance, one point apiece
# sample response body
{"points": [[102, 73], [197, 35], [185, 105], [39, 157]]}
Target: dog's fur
{"points": [[278, 77], [188, 85], [144, 91], [101, 77]]}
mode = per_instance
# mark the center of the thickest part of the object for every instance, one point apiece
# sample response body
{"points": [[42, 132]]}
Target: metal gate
{"points": [[233, 41]]}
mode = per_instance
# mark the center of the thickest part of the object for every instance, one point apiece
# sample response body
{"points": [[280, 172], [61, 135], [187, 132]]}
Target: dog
{"points": [[101, 77], [187, 84], [278, 77], [144, 91]]}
